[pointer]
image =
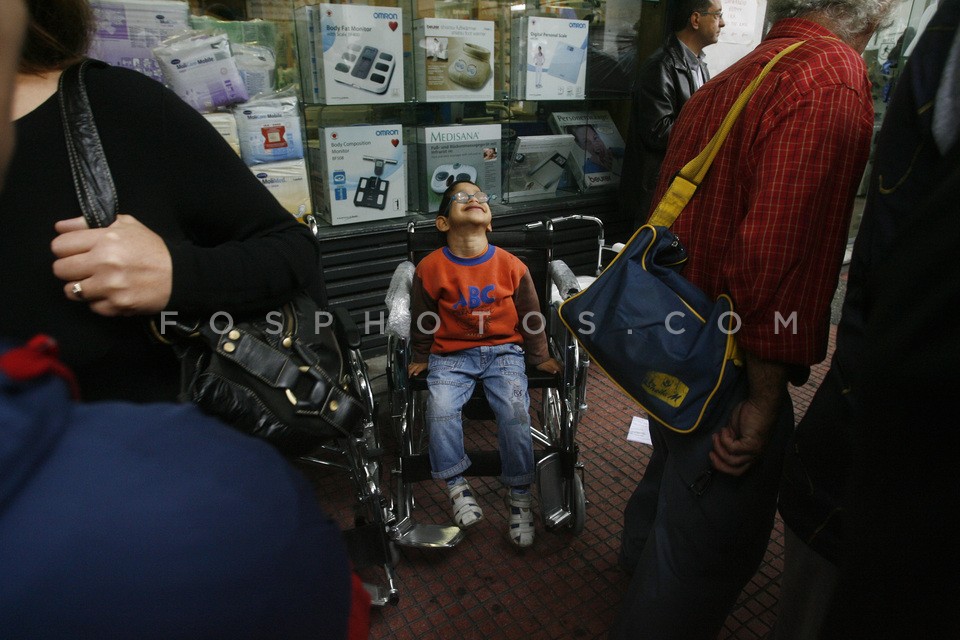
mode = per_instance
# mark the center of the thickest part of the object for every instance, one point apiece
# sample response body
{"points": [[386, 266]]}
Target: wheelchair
{"points": [[557, 401], [360, 455]]}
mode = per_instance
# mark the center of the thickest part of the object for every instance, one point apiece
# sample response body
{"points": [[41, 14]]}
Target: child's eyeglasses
{"points": [[463, 197]]}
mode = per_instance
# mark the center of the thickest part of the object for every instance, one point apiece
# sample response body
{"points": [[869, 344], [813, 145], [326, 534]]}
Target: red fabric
{"points": [[769, 223], [39, 357], [358, 625]]}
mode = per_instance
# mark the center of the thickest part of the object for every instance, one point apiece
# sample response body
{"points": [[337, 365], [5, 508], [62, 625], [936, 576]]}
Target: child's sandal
{"points": [[520, 525], [466, 511]]}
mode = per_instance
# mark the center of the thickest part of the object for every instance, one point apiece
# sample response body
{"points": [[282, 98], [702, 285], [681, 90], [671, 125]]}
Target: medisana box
{"points": [[551, 58], [453, 59], [126, 31], [350, 54], [536, 167], [358, 173], [456, 153], [597, 155]]}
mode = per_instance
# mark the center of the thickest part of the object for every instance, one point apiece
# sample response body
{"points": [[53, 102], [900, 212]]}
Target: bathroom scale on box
{"points": [[566, 63], [365, 67]]}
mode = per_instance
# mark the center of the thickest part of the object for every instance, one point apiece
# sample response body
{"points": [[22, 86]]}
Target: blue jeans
{"points": [[451, 380]]}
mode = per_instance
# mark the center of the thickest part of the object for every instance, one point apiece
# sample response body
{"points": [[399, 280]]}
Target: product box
{"points": [[126, 31], [452, 58], [452, 154], [350, 54], [288, 182], [597, 155], [226, 126], [269, 130], [551, 59], [536, 167], [200, 68], [358, 173]]}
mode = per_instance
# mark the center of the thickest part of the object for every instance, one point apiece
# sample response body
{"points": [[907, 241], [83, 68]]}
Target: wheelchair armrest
{"points": [[564, 279], [346, 329]]}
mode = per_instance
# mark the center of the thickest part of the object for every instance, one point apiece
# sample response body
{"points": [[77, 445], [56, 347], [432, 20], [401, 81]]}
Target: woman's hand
{"points": [[122, 270]]}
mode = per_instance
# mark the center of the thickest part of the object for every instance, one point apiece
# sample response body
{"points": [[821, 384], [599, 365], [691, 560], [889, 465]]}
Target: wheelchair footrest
{"points": [[429, 535], [367, 545], [381, 596]]}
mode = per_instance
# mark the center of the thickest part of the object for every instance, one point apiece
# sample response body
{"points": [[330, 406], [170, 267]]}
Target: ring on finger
{"points": [[77, 289]]}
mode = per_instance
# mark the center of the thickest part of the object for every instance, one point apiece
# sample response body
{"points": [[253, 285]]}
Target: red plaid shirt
{"points": [[769, 223]]}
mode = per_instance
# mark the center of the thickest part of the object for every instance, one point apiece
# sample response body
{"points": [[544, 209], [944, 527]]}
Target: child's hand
{"points": [[416, 368], [551, 366]]}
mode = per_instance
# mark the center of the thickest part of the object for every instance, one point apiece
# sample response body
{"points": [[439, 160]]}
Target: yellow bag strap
{"points": [[687, 181]]}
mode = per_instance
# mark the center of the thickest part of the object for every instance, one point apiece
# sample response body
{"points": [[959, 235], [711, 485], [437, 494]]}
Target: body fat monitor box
{"points": [[358, 173], [551, 58], [452, 154], [350, 54], [597, 156], [453, 59]]}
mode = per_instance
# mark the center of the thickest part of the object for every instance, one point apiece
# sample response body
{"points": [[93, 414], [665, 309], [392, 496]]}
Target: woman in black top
{"points": [[197, 233]]}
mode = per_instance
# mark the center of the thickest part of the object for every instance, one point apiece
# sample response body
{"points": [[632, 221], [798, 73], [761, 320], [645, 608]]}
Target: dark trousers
{"points": [[694, 536]]}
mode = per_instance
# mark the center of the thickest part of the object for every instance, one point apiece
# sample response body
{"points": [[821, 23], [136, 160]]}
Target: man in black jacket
{"points": [[665, 82]]}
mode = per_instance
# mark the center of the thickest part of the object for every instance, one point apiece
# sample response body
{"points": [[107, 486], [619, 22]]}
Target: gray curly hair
{"points": [[850, 17]]}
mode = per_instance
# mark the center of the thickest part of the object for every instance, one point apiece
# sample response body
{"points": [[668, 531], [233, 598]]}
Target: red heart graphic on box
{"points": [[393, 25], [394, 142]]}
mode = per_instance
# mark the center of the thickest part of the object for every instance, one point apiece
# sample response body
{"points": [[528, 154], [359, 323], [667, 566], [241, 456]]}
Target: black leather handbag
{"points": [[278, 376]]}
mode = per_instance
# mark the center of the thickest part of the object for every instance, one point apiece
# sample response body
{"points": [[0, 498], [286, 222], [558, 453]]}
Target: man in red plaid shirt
{"points": [[768, 226]]}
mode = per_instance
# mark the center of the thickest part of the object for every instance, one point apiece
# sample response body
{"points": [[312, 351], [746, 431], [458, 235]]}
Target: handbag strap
{"points": [[88, 163], [687, 181]]}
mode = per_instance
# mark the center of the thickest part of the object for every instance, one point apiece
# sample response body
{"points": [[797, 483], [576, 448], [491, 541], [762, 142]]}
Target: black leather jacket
{"points": [[664, 84]]}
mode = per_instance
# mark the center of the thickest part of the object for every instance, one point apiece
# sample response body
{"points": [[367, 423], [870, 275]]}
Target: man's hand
{"points": [[122, 270], [742, 441], [551, 366], [416, 368]]}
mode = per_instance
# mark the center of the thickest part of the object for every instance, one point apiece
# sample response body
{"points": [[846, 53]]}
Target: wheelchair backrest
{"points": [[534, 247]]}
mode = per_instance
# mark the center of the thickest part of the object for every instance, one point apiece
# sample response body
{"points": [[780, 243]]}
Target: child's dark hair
{"points": [[447, 198]]}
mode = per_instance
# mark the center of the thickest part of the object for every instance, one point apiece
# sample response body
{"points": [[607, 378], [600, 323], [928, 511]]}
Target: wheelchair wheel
{"points": [[578, 506]]}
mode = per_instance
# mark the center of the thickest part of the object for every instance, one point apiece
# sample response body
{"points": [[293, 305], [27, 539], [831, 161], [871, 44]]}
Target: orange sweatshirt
{"points": [[480, 301]]}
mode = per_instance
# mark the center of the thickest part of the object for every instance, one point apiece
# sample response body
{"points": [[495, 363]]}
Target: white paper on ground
{"points": [[639, 431]]}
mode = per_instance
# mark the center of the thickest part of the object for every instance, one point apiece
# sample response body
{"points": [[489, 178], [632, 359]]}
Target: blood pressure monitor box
{"points": [[358, 173], [551, 58], [453, 59], [452, 154], [350, 54], [596, 159]]}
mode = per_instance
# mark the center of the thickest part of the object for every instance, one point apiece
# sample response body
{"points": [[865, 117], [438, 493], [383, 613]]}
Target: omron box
{"points": [[350, 54], [551, 58], [358, 173], [453, 154], [126, 31], [453, 59], [597, 155]]}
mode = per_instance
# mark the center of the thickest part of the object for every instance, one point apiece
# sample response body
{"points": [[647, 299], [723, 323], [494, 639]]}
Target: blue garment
{"points": [[451, 381], [133, 521]]}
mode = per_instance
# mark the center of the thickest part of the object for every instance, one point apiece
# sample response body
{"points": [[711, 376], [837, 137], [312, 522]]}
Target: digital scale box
{"points": [[596, 159], [551, 58], [452, 154], [126, 31], [453, 59], [536, 167], [350, 54], [358, 173]]}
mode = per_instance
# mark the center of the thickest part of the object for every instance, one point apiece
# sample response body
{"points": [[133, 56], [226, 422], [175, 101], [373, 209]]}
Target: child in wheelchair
{"points": [[475, 316]]}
